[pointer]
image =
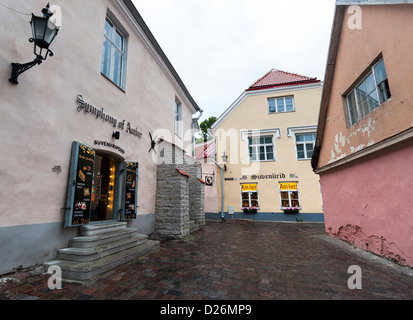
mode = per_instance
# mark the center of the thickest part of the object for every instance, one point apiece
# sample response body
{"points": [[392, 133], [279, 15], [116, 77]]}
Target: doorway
{"points": [[103, 189]]}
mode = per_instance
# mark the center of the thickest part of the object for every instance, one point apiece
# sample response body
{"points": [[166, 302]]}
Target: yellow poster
{"points": [[249, 187], [288, 186]]}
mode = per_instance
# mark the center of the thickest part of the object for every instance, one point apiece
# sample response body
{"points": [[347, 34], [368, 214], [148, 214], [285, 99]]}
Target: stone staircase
{"points": [[99, 249]]}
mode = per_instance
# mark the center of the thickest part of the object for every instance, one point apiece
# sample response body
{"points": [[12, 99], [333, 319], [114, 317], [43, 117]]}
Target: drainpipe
{"points": [[222, 190], [194, 120]]}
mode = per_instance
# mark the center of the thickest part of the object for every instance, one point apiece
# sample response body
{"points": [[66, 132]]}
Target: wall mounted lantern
{"points": [[44, 31], [225, 158]]}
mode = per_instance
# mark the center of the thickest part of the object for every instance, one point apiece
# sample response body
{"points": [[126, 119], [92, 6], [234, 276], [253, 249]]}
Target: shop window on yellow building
{"points": [[290, 197], [249, 197]]}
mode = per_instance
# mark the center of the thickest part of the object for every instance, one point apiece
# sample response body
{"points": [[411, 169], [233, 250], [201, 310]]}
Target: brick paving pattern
{"points": [[235, 260]]}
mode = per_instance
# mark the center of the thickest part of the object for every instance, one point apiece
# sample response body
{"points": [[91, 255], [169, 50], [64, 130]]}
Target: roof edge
{"points": [[246, 93], [335, 40], [287, 84]]}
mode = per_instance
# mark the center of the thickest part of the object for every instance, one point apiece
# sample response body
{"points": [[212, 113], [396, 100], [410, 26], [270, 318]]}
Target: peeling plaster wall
{"points": [[386, 30], [370, 205]]}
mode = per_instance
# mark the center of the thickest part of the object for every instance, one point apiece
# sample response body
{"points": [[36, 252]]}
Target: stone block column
{"points": [[172, 203]]}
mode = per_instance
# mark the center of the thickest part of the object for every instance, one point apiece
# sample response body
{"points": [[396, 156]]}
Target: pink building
{"points": [[364, 147]]}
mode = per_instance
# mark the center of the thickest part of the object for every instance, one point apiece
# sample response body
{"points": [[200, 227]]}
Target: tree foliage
{"points": [[205, 125]]}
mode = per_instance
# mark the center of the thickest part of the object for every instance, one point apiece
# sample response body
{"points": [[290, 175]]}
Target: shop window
{"points": [[178, 118], [305, 145], [280, 105], [99, 188], [289, 194], [261, 148], [249, 196], [114, 53], [368, 95]]}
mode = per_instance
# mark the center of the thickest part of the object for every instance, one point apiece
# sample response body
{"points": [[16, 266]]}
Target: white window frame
{"points": [[360, 113], [110, 74], [289, 195], [178, 118], [259, 145], [275, 99], [304, 143], [249, 196]]}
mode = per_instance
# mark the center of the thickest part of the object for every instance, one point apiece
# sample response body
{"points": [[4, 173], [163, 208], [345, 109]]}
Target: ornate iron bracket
{"points": [[18, 69]]}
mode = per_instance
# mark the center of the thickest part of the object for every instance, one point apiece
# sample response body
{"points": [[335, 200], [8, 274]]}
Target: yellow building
{"points": [[264, 145]]}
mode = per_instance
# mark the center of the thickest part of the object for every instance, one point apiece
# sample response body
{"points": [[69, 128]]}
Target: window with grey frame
{"points": [[373, 91], [261, 148], [305, 143], [114, 52]]}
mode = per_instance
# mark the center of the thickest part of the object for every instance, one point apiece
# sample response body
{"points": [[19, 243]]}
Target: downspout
{"points": [[222, 191], [194, 120]]}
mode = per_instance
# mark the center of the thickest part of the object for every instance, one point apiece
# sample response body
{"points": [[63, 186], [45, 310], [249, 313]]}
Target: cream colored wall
{"points": [[252, 114], [387, 30], [39, 120]]}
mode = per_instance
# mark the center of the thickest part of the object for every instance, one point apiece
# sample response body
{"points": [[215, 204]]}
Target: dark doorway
{"points": [[103, 189]]}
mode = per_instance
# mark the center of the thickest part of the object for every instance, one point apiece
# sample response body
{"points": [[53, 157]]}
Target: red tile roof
{"points": [[277, 78], [186, 174]]}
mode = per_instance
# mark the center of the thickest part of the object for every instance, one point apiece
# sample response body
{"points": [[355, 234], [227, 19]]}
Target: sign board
{"points": [[288, 186], [130, 198], [249, 187], [80, 185]]}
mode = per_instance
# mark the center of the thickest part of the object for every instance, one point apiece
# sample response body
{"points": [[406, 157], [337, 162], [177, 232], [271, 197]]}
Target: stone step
{"points": [[85, 271], [96, 229], [101, 239], [100, 251]]}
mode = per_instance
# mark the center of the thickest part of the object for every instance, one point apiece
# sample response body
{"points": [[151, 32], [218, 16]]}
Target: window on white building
{"points": [[290, 197], [261, 148], [305, 143], [282, 104], [114, 53], [178, 119], [249, 196]]}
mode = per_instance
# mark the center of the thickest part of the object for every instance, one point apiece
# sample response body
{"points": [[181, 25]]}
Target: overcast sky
{"points": [[221, 47]]}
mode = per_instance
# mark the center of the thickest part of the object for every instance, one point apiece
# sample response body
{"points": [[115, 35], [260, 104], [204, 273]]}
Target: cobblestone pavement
{"points": [[236, 260]]}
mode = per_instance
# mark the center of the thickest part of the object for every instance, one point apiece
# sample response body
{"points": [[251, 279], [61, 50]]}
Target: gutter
{"points": [[222, 188]]}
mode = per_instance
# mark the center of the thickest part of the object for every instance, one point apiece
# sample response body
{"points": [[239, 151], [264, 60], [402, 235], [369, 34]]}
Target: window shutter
{"points": [[130, 191], [79, 196]]}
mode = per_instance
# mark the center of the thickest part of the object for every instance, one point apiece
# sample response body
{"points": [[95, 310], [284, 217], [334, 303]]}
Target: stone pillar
{"points": [[172, 203], [196, 191]]}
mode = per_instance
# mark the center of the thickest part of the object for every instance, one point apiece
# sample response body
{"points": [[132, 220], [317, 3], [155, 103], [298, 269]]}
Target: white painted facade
{"points": [[40, 119]]}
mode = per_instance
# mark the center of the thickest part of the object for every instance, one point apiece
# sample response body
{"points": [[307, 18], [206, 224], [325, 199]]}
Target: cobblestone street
{"points": [[236, 260]]}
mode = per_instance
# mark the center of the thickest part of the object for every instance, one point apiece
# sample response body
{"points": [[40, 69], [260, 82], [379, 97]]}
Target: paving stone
{"points": [[235, 260]]}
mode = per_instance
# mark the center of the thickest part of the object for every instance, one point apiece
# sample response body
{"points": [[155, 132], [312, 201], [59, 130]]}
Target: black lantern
{"points": [[44, 31]]}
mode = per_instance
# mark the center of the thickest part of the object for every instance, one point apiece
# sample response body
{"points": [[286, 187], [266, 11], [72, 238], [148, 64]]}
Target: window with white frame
{"points": [[373, 91], [114, 52], [261, 148], [305, 143], [282, 104], [249, 196], [178, 119], [290, 197]]}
